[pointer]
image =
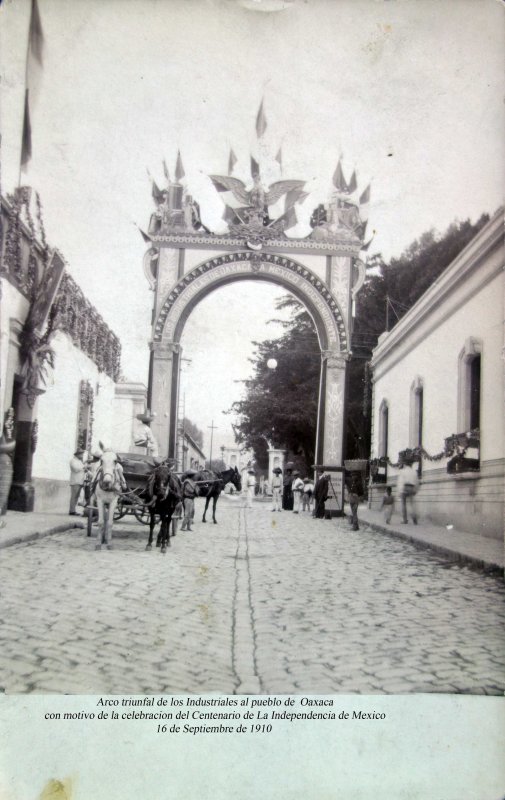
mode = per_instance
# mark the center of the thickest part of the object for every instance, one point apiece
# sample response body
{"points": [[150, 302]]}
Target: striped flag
{"points": [[232, 160], [289, 218], [294, 196], [231, 190], [179, 169], [33, 75], [233, 216], [261, 121]]}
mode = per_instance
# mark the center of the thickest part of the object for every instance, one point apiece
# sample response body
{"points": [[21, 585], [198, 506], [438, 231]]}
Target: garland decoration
{"points": [[25, 261], [455, 445]]}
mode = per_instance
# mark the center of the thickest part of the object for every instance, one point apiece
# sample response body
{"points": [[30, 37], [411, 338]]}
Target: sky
{"points": [[409, 91]]}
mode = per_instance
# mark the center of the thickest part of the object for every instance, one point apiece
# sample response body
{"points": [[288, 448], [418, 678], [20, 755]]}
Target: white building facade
{"points": [[78, 399], [439, 388]]}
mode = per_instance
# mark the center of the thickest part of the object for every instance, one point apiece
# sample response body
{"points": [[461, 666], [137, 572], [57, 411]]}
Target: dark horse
{"points": [[164, 492], [211, 484]]}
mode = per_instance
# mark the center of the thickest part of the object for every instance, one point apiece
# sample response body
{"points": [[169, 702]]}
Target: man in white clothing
{"points": [[297, 488], [408, 484], [251, 485], [276, 489]]}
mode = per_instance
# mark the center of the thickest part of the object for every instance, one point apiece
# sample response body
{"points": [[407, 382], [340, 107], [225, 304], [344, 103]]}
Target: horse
{"points": [[106, 486], [165, 493], [211, 484]]}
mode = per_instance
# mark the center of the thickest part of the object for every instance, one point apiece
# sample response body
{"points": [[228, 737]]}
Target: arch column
{"points": [[330, 434], [164, 394]]}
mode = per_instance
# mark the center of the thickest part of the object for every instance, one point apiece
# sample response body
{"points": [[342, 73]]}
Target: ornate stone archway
{"points": [[328, 301]]}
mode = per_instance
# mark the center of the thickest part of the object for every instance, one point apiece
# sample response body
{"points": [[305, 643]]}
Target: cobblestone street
{"points": [[260, 603]]}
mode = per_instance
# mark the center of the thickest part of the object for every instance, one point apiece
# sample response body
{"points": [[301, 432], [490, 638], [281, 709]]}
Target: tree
{"points": [[280, 407]]}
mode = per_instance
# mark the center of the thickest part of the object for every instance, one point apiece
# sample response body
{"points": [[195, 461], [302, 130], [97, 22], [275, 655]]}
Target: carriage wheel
{"points": [[120, 510], [143, 515]]}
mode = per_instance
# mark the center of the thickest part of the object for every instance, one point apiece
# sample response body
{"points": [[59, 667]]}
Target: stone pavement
{"points": [[467, 548], [260, 603]]}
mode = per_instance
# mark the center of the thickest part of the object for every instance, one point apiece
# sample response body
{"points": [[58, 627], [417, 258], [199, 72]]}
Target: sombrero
{"points": [[277, 470], [146, 417]]}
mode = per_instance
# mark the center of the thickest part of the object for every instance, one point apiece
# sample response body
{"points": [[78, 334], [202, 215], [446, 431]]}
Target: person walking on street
{"points": [[276, 489], [251, 486], [189, 492], [388, 504], [77, 476], [297, 488], [354, 498], [408, 484], [308, 489]]}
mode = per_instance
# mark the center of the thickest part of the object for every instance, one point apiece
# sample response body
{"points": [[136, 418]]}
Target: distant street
{"points": [[260, 603]]}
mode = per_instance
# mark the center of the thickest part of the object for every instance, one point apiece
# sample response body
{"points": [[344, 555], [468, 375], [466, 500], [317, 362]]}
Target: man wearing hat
{"points": [[76, 478], [144, 438], [297, 488], [276, 489], [189, 492]]}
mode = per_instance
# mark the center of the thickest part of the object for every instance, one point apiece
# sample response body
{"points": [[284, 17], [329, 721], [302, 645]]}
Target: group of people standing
{"points": [[291, 492]]}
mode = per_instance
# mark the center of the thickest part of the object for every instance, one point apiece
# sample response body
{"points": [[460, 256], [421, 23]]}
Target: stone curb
{"points": [[447, 552], [32, 537]]}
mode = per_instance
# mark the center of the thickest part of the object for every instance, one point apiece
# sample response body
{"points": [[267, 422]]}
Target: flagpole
{"points": [[25, 95]]}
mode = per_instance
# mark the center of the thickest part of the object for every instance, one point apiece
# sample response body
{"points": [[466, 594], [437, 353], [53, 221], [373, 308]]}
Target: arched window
{"points": [[469, 386]]}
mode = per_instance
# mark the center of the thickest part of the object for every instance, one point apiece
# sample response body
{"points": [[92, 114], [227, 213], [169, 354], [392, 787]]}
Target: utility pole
{"points": [[212, 428]]}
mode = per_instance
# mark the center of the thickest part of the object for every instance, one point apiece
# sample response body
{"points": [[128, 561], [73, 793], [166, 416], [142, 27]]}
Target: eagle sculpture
{"points": [[256, 197]]}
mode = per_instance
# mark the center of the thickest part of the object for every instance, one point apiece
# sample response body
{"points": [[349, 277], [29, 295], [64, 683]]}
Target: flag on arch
{"points": [[255, 168], [179, 169], [339, 180], [365, 197], [34, 63], [232, 160], [261, 121], [353, 183]]}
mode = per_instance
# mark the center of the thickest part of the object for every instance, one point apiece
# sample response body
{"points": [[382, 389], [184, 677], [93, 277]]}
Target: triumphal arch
{"points": [[186, 261]]}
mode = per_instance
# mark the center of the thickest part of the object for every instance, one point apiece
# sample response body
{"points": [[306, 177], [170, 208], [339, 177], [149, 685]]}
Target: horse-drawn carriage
{"points": [[151, 492]]}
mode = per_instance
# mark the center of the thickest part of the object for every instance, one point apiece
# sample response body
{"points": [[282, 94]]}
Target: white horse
{"points": [[108, 483]]}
